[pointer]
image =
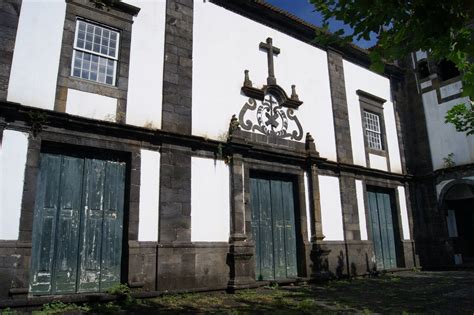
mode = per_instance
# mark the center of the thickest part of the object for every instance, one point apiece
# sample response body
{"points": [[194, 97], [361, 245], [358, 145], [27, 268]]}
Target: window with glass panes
{"points": [[372, 130], [95, 53]]}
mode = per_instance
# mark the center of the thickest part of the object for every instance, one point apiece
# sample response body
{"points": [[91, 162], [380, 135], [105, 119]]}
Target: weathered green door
{"points": [[77, 228], [383, 236], [273, 228]]}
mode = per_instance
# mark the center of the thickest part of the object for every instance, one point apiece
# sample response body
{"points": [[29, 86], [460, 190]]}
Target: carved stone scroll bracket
{"points": [[280, 94]]}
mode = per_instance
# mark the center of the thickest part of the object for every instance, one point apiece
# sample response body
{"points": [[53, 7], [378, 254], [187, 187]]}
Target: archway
{"points": [[457, 200]]}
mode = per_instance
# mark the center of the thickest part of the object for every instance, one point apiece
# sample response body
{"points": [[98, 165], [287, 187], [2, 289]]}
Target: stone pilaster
{"points": [[350, 212], [339, 107], [175, 195], [177, 75]]}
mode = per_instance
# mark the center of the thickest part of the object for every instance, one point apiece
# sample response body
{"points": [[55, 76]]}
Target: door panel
{"points": [[91, 245], [77, 240], [382, 228], [44, 224], [67, 238], [113, 224], [273, 228], [290, 232], [255, 204], [278, 228], [266, 233]]}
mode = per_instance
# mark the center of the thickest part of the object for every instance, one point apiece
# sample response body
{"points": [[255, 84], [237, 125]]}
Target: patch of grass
{"points": [[58, 307], [8, 311]]}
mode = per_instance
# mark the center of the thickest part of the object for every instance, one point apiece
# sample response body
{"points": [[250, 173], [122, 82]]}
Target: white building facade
{"points": [[175, 145]]}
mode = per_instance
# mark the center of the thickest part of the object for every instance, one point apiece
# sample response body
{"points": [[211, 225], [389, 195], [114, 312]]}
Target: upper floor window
{"points": [[95, 53], [373, 130]]}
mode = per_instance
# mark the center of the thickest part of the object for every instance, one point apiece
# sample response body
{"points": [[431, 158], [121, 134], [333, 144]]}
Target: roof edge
{"points": [[281, 20]]}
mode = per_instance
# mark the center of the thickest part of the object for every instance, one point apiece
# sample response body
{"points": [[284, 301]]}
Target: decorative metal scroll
{"points": [[271, 118]]}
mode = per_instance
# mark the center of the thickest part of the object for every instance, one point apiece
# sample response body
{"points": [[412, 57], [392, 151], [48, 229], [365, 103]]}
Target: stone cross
{"points": [[271, 51]]}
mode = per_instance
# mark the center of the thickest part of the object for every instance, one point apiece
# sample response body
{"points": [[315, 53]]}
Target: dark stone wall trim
{"points": [[9, 15], [16, 112], [178, 67]]}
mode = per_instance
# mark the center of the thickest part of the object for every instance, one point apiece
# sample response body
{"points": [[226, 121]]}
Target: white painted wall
{"points": [[359, 78], [221, 54], [361, 210], [450, 89], [331, 209], [378, 162], [145, 84], [210, 200], [35, 62], [443, 137], [308, 207], [91, 105], [13, 151], [149, 196], [404, 212]]}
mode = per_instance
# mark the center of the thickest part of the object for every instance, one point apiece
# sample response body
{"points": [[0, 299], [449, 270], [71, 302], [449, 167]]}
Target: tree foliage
{"points": [[444, 28]]}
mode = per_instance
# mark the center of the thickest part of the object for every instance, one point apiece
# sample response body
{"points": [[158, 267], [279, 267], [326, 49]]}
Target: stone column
{"points": [[176, 256], [318, 251]]}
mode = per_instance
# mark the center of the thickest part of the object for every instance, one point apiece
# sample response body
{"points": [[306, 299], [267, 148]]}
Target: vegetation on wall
{"points": [[444, 28]]}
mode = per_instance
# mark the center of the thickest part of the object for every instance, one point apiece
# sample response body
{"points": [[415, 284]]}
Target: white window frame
{"points": [[92, 52], [373, 135]]}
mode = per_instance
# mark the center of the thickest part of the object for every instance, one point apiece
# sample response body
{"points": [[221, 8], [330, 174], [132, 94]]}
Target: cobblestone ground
{"points": [[450, 292]]}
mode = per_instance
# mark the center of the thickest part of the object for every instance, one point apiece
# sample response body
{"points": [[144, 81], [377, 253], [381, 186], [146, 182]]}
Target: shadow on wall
{"points": [[322, 268]]}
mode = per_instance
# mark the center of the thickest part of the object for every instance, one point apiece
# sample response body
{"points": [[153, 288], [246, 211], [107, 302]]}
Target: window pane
{"points": [[373, 130], [82, 26], [77, 72], [101, 77], [99, 41], [85, 74]]}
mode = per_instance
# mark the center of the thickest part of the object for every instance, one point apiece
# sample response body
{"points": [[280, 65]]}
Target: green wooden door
{"points": [[273, 228], [77, 228], [382, 226]]}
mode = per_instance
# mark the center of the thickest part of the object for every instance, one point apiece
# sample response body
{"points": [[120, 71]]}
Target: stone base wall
{"points": [[191, 266], [15, 259]]}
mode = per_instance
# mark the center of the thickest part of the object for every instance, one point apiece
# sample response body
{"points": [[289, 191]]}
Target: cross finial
{"points": [[271, 51]]}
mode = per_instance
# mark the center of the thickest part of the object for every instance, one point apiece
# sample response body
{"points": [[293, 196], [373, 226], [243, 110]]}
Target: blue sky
{"points": [[304, 10]]}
